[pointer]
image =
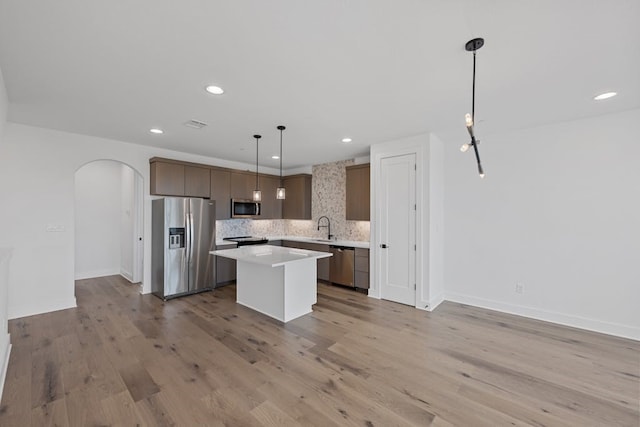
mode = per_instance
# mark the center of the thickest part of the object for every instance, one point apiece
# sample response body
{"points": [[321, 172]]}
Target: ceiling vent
{"points": [[194, 124]]}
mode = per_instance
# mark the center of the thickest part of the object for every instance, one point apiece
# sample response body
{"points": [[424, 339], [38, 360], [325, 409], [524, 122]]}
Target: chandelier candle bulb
{"points": [[468, 119]]}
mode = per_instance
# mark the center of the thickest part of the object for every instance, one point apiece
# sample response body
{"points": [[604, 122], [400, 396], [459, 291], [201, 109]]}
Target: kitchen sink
{"points": [[322, 240]]}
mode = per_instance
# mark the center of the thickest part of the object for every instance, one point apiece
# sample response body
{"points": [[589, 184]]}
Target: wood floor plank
{"points": [[121, 358], [50, 414], [138, 382], [16, 397], [270, 415]]}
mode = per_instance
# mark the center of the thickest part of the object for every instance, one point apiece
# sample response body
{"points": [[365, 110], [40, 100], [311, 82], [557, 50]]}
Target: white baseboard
{"points": [[435, 302], [40, 307], [127, 275], [97, 273], [609, 328], [5, 364]]}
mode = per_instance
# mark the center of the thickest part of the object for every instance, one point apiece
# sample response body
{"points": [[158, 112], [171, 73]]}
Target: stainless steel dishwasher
{"points": [[342, 265]]}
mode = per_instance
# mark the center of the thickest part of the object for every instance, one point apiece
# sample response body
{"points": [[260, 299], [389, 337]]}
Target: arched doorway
{"points": [[108, 221]]}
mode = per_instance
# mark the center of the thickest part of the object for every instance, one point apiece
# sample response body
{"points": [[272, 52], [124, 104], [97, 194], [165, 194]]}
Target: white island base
{"points": [[276, 281]]}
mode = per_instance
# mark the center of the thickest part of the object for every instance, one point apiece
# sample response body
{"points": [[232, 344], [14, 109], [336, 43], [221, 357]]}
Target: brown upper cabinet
{"points": [[172, 178], [297, 204], [271, 207], [242, 184], [183, 179], [197, 182], [221, 192], [358, 195]]}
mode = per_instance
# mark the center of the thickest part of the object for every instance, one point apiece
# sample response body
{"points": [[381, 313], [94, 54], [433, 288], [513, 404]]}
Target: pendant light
{"points": [[257, 194], [472, 46], [280, 192]]}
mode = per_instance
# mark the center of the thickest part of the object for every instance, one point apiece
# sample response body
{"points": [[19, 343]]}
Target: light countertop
{"points": [[348, 243], [273, 256]]}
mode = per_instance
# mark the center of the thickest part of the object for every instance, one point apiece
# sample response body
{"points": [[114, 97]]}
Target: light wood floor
{"points": [[125, 359]]}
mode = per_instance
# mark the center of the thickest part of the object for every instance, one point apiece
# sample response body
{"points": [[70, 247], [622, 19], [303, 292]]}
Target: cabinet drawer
{"points": [[362, 252], [362, 264]]}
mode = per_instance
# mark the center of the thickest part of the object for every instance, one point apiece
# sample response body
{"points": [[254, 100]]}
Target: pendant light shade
{"points": [[472, 46], [257, 194], [281, 192]]}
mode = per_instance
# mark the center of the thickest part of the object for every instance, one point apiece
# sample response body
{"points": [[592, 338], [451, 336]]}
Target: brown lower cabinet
{"points": [[225, 267], [361, 279]]}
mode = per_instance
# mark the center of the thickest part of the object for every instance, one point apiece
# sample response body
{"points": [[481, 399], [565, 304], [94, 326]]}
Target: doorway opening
{"points": [[108, 221]]}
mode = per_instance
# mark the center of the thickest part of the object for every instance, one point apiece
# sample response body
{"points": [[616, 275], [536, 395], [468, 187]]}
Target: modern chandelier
{"points": [[473, 46], [281, 192], [257, 194]]}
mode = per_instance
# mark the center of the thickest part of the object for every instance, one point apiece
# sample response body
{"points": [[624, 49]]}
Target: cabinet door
{"points": [[358, 193], [167, 179], [221, 192], [197, 182], [362, 268], [225, 267], [297, 204], [271, 207], [242, 185]]}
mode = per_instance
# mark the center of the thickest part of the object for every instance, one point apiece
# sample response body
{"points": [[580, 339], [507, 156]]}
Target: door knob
{"points": [[383, 246]]}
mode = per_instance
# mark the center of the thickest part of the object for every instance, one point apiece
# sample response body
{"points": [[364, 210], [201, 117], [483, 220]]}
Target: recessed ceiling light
{"points": [[156, 131], [605, 95], [216, 90], [346, 140], [275, 157]]}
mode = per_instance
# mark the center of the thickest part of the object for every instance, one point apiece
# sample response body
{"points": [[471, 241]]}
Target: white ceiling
{"points": [[374, 70]]}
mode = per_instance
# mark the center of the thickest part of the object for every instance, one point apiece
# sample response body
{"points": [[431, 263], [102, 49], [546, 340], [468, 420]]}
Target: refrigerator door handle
{"points": [[189, 233]]}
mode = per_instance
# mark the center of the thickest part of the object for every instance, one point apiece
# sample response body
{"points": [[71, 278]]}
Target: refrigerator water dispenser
{"points": [[176, 238]]}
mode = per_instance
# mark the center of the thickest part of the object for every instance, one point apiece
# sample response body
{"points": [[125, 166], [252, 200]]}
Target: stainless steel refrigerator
{"points": [[183, 233]]}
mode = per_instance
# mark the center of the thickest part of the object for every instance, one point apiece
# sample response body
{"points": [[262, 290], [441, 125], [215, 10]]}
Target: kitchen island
{"points": [[276, 281]]}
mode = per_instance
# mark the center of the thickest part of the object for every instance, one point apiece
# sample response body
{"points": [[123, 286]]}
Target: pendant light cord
{"points": [[473, 91], [281, 157], [257, 139]]}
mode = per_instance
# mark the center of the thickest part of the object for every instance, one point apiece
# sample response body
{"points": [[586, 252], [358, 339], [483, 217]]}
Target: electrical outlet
{"points": [[519, 288]]}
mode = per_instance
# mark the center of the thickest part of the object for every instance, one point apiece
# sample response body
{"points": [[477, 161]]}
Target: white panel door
{"points": [[397, 237]]}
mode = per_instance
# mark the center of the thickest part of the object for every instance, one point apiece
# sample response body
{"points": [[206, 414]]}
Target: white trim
{"points": [[5, 366], [419, 146], [434, 303], [138, 228], [97, 273], [42, 307], [594, 325], [127, 275]]}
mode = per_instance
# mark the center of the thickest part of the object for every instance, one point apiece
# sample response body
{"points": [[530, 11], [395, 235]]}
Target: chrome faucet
{"points": [[329, 235]]}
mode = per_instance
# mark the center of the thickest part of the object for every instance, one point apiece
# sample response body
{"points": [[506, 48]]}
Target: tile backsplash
{"points": [[328, 198]]}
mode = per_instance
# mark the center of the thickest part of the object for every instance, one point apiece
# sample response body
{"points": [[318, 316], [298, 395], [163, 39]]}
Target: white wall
{"points": [[37, 168], [98, 200], [126, 220], [558, 212], [5, 343]]}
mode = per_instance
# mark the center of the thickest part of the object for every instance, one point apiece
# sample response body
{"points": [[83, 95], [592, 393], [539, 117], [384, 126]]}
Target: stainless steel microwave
{"points": [[244, 208]]}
